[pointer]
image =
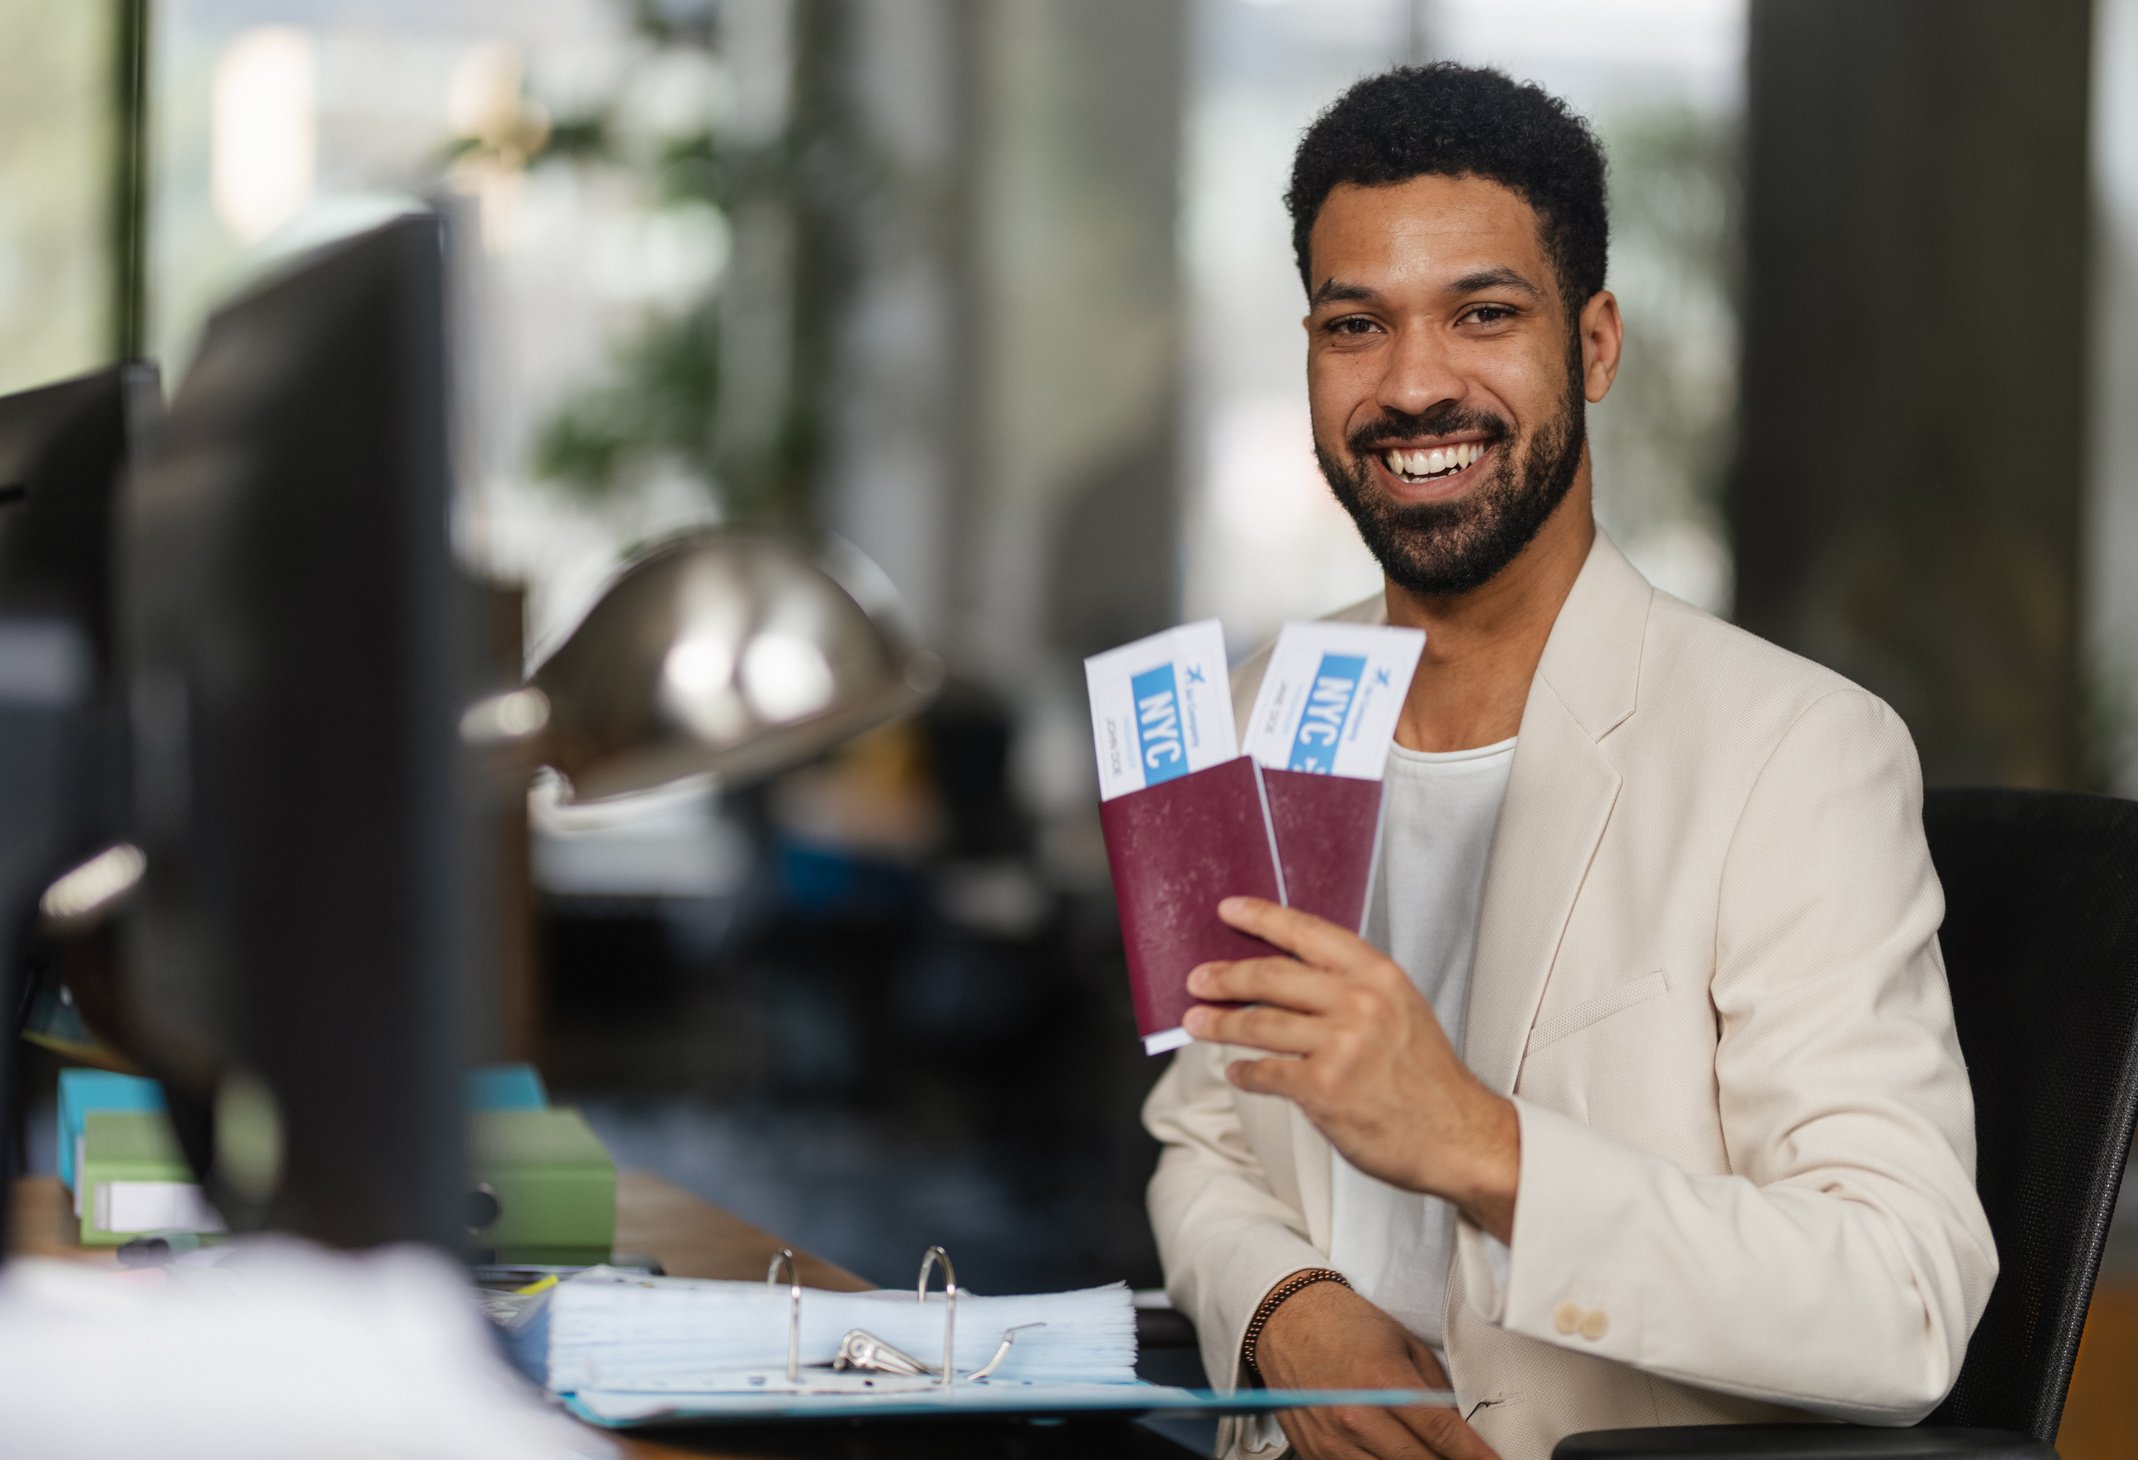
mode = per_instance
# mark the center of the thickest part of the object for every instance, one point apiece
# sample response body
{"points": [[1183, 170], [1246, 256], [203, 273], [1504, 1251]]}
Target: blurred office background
{"points": [[1001, 291]]}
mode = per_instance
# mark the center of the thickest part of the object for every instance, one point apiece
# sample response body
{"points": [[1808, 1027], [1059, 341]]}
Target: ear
{"points": [[1603, 335]]}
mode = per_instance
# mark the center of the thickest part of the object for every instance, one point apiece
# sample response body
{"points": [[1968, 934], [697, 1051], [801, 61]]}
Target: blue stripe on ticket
{"points": [[1158, 730], [1329, 701]]}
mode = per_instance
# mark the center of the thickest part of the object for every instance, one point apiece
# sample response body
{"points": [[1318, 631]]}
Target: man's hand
{"points": [[1328, 1337], [1373, 1070]]}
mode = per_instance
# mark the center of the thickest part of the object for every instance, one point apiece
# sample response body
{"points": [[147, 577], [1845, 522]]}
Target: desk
{"points": [[694, 1238]]}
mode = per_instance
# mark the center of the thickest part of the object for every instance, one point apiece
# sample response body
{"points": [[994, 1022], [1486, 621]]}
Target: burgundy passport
{"points": [[1328, 831], [1176, 850]]}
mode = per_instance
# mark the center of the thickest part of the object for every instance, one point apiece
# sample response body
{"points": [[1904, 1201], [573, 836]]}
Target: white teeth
{"points": [[1438, 461]]}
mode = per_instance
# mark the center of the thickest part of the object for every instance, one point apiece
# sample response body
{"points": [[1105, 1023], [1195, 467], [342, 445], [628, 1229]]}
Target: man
{"points": [[1651, 1111]]}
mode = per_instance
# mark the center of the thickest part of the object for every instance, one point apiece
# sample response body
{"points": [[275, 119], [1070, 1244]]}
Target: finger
{"points": [[1258, 1026], [1327, 1434], [1445, 1433], [1282, 981], [1313, 940], [1356, 1434], [1429, 1370], [1277, 1076]]}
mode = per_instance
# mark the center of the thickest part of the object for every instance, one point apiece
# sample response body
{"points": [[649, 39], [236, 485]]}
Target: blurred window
{"points": [[279, 119], [57, 186]]}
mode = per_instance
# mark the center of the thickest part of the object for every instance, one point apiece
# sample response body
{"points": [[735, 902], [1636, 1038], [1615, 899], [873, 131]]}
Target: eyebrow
{"points": [[1335, 291], [1496, 278]]}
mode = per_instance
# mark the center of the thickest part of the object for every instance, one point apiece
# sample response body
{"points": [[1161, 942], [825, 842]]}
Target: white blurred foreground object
{"points": [[277, 1348]]}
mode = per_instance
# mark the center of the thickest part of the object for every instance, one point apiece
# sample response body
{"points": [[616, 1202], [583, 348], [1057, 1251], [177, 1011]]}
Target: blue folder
{"points": [[617, 1410], [493, 1087], [81, 1091]]}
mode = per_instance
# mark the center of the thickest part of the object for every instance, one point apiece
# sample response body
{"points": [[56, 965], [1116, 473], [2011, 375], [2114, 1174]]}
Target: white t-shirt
{"points": [[1439, 815]]}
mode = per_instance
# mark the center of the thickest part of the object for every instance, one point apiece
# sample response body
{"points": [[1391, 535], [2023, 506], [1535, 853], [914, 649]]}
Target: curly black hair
{"points": [[1450, 120]]}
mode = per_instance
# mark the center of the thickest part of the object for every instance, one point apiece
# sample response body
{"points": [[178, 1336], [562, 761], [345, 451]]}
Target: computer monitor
{"points": [[291, 624], [61, 449], [61, 760]]}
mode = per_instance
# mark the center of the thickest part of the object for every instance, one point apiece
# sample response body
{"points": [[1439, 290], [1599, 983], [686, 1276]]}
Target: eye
{"points": [[1350, 324], [1487, 314]]}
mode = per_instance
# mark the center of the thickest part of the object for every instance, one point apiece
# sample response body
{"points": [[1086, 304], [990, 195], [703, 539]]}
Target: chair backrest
{"points": [[2041, 944]]}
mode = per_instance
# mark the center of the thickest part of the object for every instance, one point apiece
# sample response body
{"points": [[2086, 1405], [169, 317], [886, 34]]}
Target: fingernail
{"points": [[1198, 978], [1232, 907], [1196, 1022]]}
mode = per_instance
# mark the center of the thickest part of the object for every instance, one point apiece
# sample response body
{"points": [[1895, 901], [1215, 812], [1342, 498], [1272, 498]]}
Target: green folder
{"points": [[543, 1189], [131, 1179]]}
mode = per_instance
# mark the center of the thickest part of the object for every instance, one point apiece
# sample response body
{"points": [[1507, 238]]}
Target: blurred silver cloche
{"points": [[728, 654]]}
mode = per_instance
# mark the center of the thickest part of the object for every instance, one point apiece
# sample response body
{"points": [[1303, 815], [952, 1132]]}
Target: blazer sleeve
{"points": [[1842, 1266], [1224, 1237]]}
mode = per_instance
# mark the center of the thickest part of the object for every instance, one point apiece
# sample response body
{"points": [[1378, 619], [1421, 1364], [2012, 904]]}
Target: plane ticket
{"points": [[1331, 696], [1161, 707]]}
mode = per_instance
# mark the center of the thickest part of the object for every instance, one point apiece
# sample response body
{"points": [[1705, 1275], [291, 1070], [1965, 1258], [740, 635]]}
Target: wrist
{"points": [[1273, 1303], [1488, 1193]]}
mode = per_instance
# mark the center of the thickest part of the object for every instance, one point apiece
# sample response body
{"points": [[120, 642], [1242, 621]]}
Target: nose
{"points": [[1419, 374]]}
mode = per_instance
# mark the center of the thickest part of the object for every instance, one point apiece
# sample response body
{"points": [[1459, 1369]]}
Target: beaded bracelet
{"points": [[1270, 1304]]}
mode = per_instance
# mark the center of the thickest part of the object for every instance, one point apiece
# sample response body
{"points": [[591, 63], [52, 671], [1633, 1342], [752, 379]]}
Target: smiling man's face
{"points": [[1445, 374]]}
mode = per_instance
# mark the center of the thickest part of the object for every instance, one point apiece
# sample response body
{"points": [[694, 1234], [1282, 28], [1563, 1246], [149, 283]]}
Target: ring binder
{"points": [[950, 1308], [1009, 1341], [785, 1258], [624, 1350], [861, 1349]]}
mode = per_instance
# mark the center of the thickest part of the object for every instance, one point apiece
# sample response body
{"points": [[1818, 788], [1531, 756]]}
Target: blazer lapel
{"points": [[1559, 797], [1560, 792]]}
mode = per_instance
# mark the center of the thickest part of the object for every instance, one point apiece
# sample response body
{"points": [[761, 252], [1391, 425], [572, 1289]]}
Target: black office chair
{"points": [[2041, 943]]}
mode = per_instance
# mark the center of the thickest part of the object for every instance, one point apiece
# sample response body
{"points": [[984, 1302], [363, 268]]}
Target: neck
{"points": [[1482, 647]]}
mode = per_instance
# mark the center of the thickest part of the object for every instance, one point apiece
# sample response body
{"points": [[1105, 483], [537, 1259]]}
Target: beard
{"points": [[1437, 549]]}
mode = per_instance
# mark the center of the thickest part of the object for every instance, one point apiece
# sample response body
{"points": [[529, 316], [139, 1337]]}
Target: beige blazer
{"points": [[1707, 971]]}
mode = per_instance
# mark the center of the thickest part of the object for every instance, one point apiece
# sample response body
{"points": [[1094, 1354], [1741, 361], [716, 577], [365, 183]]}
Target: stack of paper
{"points": [[615, 1331]]}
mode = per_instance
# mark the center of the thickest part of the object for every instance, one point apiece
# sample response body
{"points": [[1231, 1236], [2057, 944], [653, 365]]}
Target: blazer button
{"points": [[1594, 1325], [1567, 1318]]}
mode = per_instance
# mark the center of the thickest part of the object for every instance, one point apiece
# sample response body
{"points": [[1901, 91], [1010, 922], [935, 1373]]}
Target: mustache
{"points": [[1445, 419]]}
